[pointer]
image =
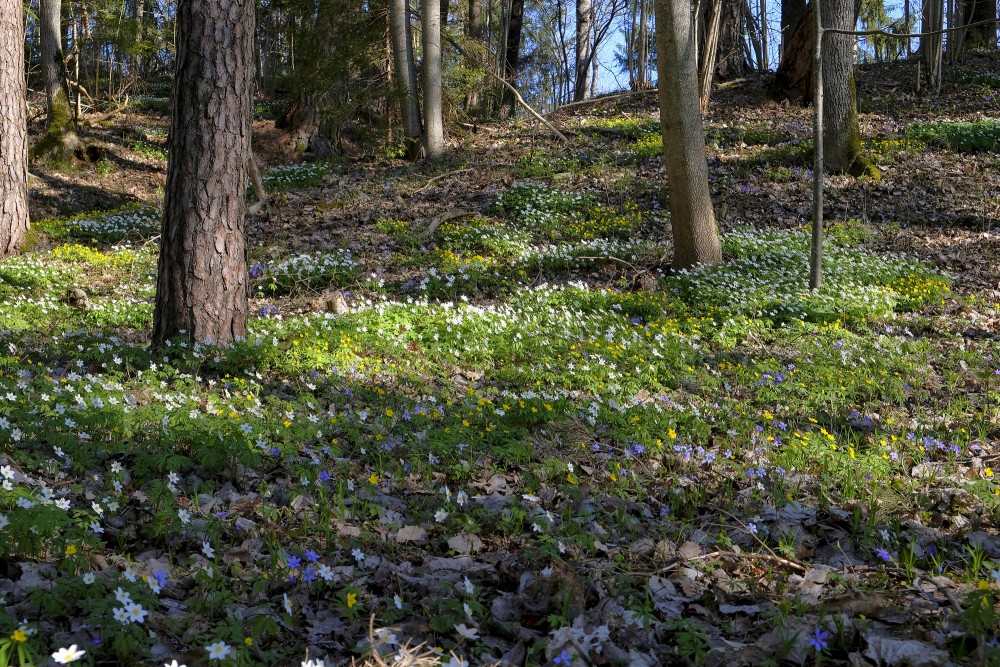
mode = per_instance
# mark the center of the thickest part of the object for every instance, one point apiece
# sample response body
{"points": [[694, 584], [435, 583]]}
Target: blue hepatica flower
{"points": [[883, 554], [565, 658], [818, 640]]}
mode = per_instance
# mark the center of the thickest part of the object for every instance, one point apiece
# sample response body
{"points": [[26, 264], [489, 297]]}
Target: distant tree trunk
{"points": [[692, 218], [709, 52], [643, 56], [794, 76], [433, 113], [584, 24], [730, 62], [14, 137], [985, 36], [473, 31], [406, 75], [842, 137], [792, 12], [60, 140], [201, 284], [512, 52], [931, 46]]}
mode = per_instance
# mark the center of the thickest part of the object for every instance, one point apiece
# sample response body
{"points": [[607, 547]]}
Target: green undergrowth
{"points": [[130, 222], [766, 276], [963, 137], [506, 377]]}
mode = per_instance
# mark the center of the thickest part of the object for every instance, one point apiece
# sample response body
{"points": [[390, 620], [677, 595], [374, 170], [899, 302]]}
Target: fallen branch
{"points": [[753, 556], [439, 177], [442, 218]]}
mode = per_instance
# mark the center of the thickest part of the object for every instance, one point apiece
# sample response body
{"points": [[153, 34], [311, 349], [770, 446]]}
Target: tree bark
{"points": [[201, 285], [709, 53], [730, 61], [792, 12], [795, 71], [473, 31], [643, 56], [406, 75], [984, 36], [512, 52], [60, 140], [692, 218], [433, 113], [931, 46], [842, 136], [14, 137], [584, 23]]}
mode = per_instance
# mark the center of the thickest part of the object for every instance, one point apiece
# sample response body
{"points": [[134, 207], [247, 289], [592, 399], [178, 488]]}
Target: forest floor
{"points": [[477, 411]]}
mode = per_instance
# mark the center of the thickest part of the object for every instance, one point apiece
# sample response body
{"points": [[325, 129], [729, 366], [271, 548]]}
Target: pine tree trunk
{"points": [[14, 137], [201, 285], [842, 137], [584, 17], [406, 75], [433, 113], [60, 140], [696, 237]]}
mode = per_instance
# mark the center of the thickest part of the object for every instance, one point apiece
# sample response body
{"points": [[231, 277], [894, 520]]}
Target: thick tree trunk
{"points": [[842, 137], [696, 237], [201, 284], [406, 75], [433, 113], [14, 137], [731, 62], [792, 12], [512, 52], [60, 140], [584, 23], [795, 71], [985, 36]]}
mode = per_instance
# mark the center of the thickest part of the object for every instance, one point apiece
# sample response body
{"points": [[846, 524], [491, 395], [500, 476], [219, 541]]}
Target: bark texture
{"points": [[792, 12], [584, 20], [931, 46], [433, 112], [201, 285], [794, 76], [731, 62], [14, 133], [985, 36], [696, 237], [406, 74], [512, 53], [842, 139], [60, 140]]}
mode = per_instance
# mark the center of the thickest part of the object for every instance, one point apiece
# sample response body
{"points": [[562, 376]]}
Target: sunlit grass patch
{"points": [[963, 137], [481, 235], [301, 175], [150, 103], [131, 222], [306, 272], [767, 277]]}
